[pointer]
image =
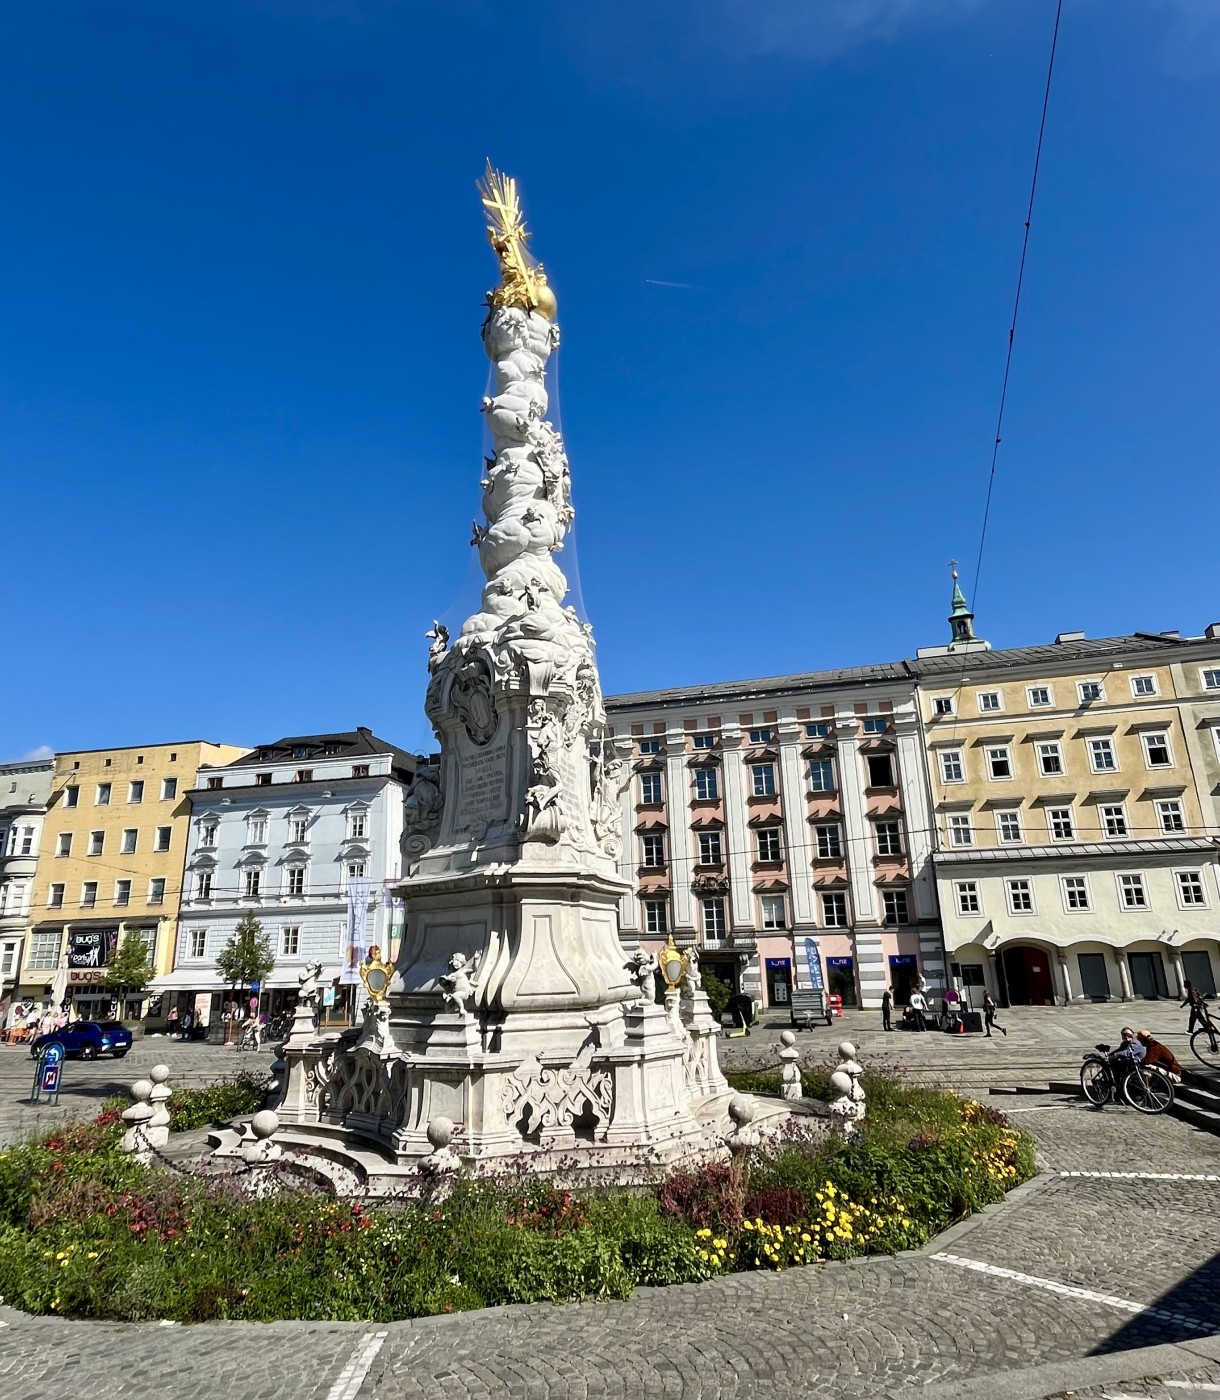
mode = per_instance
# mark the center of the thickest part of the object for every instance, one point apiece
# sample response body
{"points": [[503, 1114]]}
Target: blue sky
{"points": [[240, 369]]}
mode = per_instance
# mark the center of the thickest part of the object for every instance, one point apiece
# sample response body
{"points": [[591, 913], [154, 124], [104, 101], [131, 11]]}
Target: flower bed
{"points": [[87, 1232]]}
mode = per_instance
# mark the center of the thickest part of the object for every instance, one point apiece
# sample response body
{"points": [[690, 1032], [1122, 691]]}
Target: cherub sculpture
{"points": [[438, 637], [642, 965], [310, 992], [458, 986]]}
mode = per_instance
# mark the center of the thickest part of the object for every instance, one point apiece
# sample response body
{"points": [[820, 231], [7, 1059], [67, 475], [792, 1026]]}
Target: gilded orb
{"points": [[544, 301]]}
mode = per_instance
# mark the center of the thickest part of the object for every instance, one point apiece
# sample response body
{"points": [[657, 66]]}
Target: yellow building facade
{"points": [[112, 856], [1076, 839]]}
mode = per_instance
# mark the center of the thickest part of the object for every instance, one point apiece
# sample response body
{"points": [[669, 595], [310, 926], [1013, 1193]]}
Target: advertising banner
{"points": [[355, 947]]}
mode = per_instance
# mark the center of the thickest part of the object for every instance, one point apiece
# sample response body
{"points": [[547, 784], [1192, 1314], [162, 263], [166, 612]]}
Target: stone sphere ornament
{"points": [[440, 1132], [265, 1123]]}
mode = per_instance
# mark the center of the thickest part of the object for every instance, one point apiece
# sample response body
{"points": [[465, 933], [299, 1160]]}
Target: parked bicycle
{"points": [[1145, 1087], [1205, 1041]]}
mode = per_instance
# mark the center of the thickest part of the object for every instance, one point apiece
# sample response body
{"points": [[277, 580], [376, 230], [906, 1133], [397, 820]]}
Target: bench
{"points": [[808, 1007]]}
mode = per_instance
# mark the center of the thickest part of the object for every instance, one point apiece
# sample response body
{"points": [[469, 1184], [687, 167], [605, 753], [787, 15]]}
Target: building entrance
{"points": [[1027, 973], [841, 979], [1197, 969], [1093, 980], [779, 981], [904, 972], [1147, 975]]}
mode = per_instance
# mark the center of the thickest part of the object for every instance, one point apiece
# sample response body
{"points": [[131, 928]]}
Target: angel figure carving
{"points": [[438, 638], [458, 986]]}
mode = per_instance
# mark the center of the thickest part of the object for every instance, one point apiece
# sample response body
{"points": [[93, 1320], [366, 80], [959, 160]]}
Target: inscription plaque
{"points": [[482, 785]]}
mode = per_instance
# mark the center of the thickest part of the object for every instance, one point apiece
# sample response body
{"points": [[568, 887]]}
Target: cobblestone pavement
{"points": [[1072, 1266]]}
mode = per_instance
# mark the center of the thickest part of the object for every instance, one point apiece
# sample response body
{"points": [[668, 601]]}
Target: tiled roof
{"points": [[768, 685], [1054, 654], [353, 743], [1078, 850]]}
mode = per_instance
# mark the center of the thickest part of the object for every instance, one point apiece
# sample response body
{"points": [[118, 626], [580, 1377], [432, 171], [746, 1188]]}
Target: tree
{"points": [[131, 970], [247, 957], [716, 992]]}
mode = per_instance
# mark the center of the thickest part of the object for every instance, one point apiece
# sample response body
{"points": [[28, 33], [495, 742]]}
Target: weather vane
{"points": [[522, 280]]}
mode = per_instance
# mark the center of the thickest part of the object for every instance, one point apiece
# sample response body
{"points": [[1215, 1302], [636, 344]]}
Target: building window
{"points": [[1008, 826], [989, 701], [298, 830], [129, 841], [207, 833], [44, 951], [296, 880], [1089, 691], [162, 840], [762, 777], [27, 840], [942, 704], [1050, 759], [650, 746], [876, 726], [256, 831], [703, 741], [122, 891], [895, 904], [1101, 756], [1039, 697], [1210, 679], [102, 799], [1114, 820], [1020, 897], [769, 852], [656, 916], [1190, 889], [774, 911], [199, 942], [822, 775], [653, 848], [889, 838], [961, 832], [156, 891], [71, 796], [999, 764], [1075, 892], [713, 918], [97, 842], [290, 942], [88, 894], [650, 789], [880, 770], [262, 780], [303, 775], [63, 844], [1145, 685], [1059, 820], [355, 870], [360, 770], [254, 882], [1169, 814], [952, 769], [357, 826], [300, 751], [967, 895], [834, 910], [707, 785], [203, 884], [56, 899], [817, 731], [135, 792], [829, 846], [1131, 892], [760, 736], [710, 849], [1156, 751], [214, 783], [169, 789]]}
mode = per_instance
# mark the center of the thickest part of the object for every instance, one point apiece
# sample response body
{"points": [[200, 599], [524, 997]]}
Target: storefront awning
{"points": [[184, 979]]}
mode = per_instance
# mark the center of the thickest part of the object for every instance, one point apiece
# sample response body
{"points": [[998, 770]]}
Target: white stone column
{"points": [[792, 787], [677, 794], [1066, 977], [1124, 974], [737, 833], [1179, 975]]}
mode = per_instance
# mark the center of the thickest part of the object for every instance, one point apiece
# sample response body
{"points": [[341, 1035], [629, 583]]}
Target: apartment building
{"points": [[292, 833], [113, 844], [25, 790], [782, 827], [1074, 793]]}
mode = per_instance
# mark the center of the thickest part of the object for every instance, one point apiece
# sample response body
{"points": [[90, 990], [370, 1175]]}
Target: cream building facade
{"points": [[782, 826], [112, 853], [25, 790], [1074, 801]]}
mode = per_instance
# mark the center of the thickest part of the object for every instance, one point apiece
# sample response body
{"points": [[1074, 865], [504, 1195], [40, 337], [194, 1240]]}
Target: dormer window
{"points": [[300, 751], [329, 749]]}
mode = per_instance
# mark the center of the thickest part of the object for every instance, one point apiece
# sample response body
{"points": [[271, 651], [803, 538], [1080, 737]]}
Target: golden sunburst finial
{"points": [[522, 281]]}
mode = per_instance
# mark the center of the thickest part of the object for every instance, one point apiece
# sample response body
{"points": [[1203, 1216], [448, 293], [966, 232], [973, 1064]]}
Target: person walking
{"points": [[989, 1020], [1198, 1011], [887, 1006]]}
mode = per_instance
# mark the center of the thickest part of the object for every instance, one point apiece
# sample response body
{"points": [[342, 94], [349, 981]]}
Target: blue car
{"points": [[88, 1039]]}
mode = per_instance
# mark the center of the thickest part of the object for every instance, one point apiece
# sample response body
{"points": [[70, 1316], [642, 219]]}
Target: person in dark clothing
{"points": [[989, 1020], [887, 1005], [1198, 1011]]}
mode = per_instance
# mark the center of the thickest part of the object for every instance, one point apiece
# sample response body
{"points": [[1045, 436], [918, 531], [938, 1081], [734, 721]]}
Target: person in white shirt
{"points": [[919, 1008]]}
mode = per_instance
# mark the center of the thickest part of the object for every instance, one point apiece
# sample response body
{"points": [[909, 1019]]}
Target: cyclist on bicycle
{"points": [[1123, 1060], [1198, 1007]]}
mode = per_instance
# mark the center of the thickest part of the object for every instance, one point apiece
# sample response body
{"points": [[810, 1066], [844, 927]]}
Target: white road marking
{"points": [[351, 1378], [1068, 1290], [1146, 1176]]}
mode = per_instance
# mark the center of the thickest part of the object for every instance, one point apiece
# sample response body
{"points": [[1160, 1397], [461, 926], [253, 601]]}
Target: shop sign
{"points": [[91, 947], [84, 976]]}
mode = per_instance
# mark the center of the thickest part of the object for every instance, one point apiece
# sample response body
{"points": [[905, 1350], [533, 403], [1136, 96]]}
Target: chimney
{"points": [[1212, 631], [1068, 637]]}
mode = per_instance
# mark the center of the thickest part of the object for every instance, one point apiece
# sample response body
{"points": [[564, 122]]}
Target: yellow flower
{"points": [[92, 1254], [747, 1224], [703, 1234], [720, 1244], [805, 1237]]}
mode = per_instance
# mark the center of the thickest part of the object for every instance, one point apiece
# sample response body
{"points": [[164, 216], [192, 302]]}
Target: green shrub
{"points": [[218, 1103]]}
